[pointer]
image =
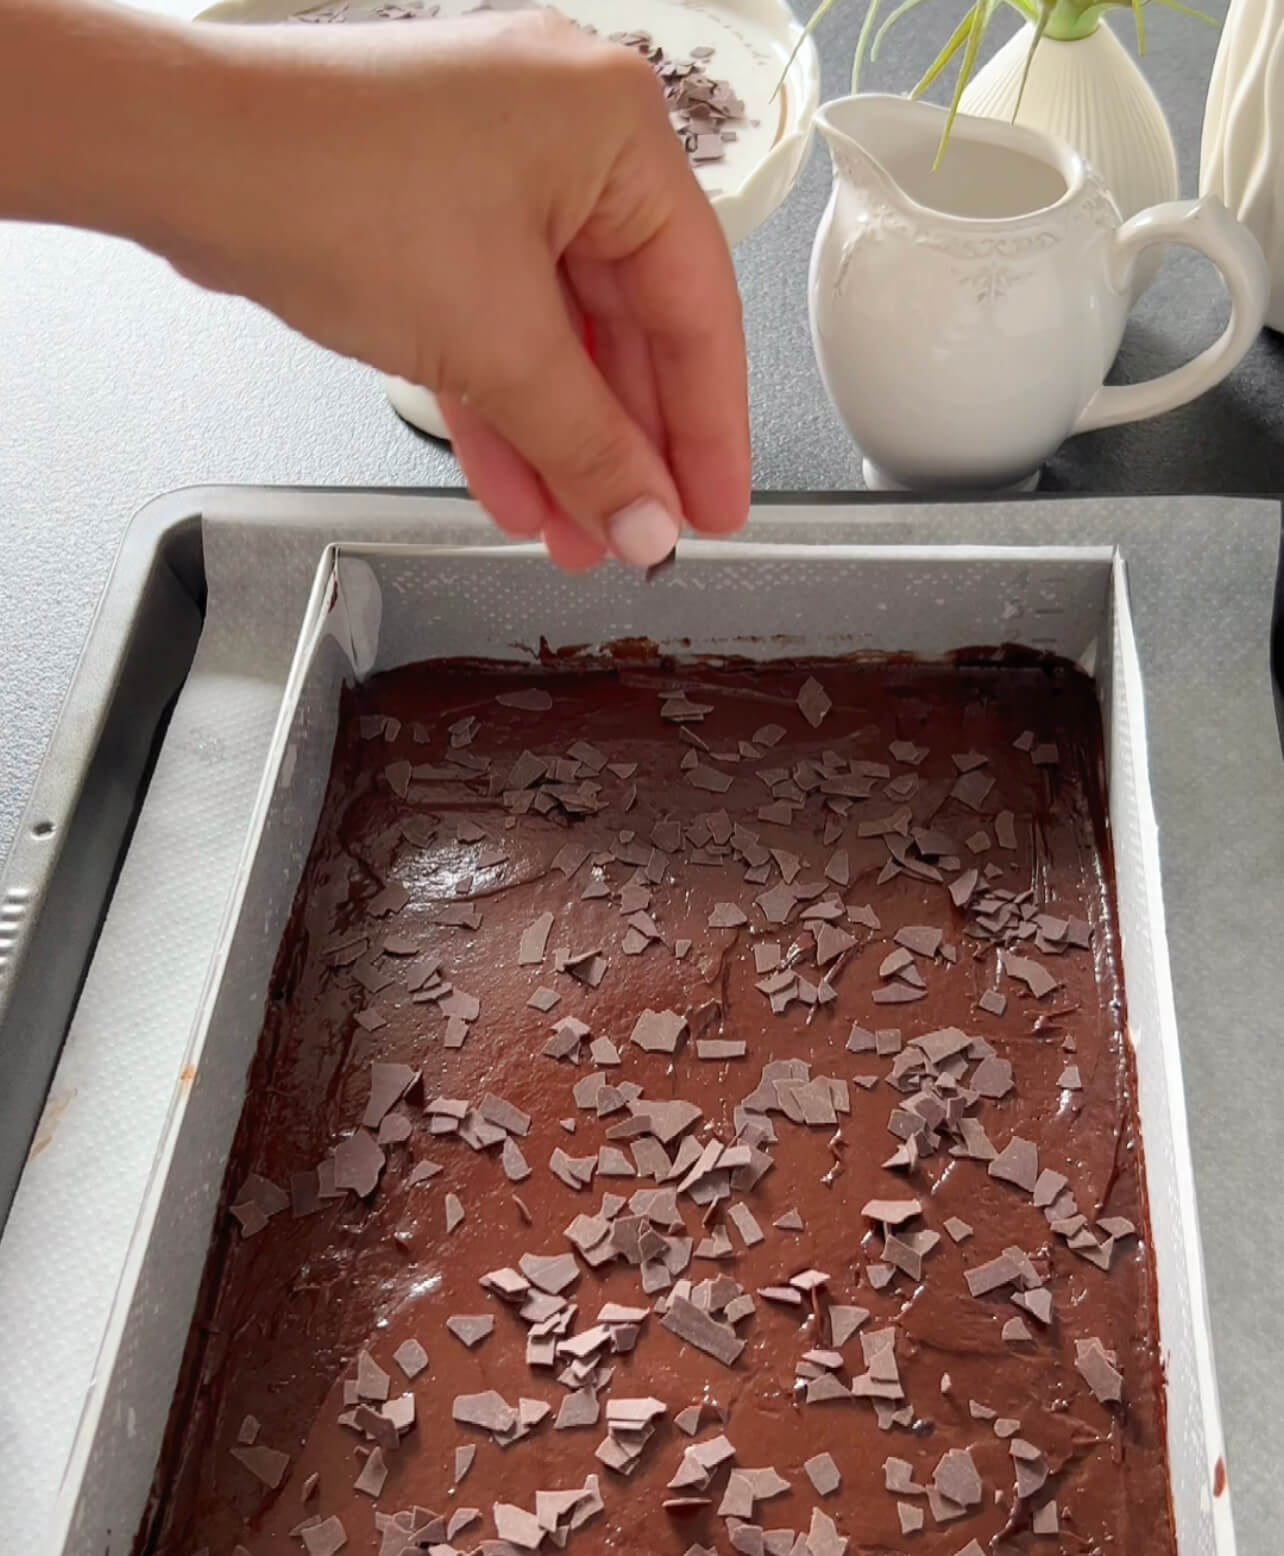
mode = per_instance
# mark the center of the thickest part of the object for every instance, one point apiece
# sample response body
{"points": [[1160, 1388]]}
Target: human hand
{"points": [[457, 203]]}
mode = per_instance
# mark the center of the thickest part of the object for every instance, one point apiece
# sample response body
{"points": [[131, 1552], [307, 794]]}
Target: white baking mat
{"points": [[1202, 574]]}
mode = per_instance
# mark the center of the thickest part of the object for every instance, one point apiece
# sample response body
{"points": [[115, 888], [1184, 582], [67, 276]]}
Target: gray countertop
{"points": [[119, 381]]}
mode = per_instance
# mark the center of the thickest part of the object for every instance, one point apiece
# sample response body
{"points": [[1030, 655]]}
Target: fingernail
{"points": [[643, 533]]}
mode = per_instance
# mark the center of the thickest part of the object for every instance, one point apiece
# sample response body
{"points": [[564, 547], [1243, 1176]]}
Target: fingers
{"points": [[679, 288], [543, 395], [569, 546], [498, 477], [619, 347]]}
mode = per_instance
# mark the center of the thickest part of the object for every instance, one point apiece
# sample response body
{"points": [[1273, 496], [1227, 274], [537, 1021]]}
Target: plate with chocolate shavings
{"points": [[740, 80]]}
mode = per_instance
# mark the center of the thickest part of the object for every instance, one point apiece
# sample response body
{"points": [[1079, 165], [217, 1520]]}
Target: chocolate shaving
{"points": [[265, 1464], [823, 1474], [533, 700], [892, 1212], [324, 1538], [411, 1357], [983, 1278], [488, 1410], [1096, 1367], [1036, 977], [534, 941], [1017, 1162], [471, 1329], [956, 1478], [1045, 1520], [698, 1328], [658, 1031], [823, 1538]]}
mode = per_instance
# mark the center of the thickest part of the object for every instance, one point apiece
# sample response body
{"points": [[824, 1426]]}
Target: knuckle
{"points": [[504, 383], [596, 458]]}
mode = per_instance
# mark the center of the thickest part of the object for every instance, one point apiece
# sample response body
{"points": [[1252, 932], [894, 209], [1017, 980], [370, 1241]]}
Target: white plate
{"points": [[752, 42]]}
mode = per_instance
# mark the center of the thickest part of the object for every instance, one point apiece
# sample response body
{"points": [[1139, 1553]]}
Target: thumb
{"points": [[542, 393]]}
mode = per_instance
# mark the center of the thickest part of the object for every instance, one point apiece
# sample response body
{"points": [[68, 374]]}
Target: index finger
{"points": [[682, 288]]}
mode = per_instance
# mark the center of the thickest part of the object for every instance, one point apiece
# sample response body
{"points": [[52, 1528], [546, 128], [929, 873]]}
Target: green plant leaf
{"points": [[862, 42], [1189, 10], [982, 14], [1141, 28], [953, 44], [813, 21], [1040, 27]]}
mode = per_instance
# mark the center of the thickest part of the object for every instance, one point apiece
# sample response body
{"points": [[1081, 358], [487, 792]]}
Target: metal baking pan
{"points": [[373, 607], [56, 882]]}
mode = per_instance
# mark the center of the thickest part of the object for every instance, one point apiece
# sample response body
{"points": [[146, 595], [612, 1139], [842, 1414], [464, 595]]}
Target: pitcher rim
{"points": [[1049, 149]]}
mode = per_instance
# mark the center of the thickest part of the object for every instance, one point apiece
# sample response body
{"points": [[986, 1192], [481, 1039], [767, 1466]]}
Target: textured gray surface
{"points": [[119, 381]]}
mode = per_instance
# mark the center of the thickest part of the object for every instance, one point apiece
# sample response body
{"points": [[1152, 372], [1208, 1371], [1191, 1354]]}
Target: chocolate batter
{"points": [[288, 1308]]}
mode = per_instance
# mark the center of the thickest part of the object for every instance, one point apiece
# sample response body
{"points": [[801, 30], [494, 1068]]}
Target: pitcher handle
{"points": [[1207, 226]]}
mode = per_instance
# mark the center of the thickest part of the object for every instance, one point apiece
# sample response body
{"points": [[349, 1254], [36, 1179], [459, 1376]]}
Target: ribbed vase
{"points": [[1090, 93], [1242, 157]]}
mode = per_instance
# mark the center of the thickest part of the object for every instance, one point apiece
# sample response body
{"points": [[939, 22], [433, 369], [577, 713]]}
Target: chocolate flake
{"points": [[698, 1328], [373, 1475], [658, 1031], [983, 1278], [1096, 1367], [513, 1162], [411, 1357], [813, 702], [1017, 1162], [579, 1408], [958, 1230], [892, 1212], [517, 1526], [1015, 1332], [823, 1538], [714, 1048], [265, 1464], [1045, 1519], [528, 700], [823, 1474], [325, 1537], [956, 1478], [551, 1273], [471, 1328], [921, 939], [534, 941], [454, 1212], [1036, 977], [744, 1222]]}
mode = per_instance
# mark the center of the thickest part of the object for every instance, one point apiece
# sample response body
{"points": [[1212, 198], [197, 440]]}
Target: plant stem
{"points": [[1071, 20]]}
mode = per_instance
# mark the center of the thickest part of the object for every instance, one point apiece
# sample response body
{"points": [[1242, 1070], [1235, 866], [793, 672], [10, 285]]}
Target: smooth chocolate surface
{"points": [[944, 828]]}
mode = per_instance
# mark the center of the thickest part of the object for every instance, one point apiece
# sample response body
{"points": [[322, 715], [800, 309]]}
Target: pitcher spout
{"points": [[870, 133]]}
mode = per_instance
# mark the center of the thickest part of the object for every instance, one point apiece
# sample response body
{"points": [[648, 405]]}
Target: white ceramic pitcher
{"points": [[965, 318]]}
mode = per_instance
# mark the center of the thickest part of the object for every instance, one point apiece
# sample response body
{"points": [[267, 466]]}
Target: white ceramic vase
{"points": [[1090, 93], [1242, 157]]}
